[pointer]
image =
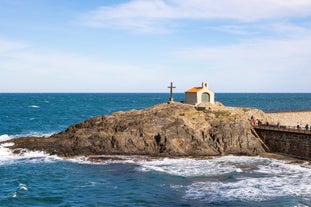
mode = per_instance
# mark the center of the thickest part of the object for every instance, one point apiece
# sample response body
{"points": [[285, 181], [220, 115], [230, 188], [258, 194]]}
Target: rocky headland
{"points": [[168, 129]]}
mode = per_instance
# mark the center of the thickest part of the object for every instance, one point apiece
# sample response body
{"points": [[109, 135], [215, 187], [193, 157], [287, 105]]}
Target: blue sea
{"points": [[35, 178]]}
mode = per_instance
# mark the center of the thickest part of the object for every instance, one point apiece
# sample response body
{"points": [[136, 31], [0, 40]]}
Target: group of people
{"points": [[307, 127], [259, 123]]}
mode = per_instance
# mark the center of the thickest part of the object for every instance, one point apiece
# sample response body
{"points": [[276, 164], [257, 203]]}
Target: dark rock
{"points": [[173, 129]]}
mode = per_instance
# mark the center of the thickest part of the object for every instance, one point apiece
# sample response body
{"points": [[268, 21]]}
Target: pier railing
{"points": [[283, 128]]}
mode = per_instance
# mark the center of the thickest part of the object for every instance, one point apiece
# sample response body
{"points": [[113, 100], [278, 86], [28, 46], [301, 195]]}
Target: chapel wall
{"points": [[191, 98]]}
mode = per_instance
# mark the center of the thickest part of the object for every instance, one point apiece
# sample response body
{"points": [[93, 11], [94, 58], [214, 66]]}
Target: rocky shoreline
{"points": [[163, 130], [104, 158]]}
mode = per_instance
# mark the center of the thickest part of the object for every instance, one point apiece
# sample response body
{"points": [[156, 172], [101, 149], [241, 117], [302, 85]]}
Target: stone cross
{"points": [[171, 92]]}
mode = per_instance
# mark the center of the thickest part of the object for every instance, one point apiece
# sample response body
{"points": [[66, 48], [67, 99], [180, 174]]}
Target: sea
{"points": [[37, 179]]}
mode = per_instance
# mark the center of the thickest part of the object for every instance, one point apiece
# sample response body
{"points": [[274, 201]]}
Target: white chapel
{"points": [[200, 95]]}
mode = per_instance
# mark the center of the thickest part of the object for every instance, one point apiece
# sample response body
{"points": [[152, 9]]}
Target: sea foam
{"points": [[7, 156], [109, 159], [4, 138], [232, 178], [202, 167]]}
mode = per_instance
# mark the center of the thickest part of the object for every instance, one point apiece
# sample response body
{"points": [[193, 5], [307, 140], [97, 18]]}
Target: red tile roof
{"points": [[194, 90]]}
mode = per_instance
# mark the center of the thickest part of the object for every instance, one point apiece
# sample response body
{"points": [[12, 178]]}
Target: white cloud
{"points": [[37, 70], [255, 50], [257, 65], [145, 15]]}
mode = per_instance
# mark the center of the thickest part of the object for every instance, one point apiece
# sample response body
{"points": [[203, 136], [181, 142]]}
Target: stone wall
{"points": [[291, 143]]}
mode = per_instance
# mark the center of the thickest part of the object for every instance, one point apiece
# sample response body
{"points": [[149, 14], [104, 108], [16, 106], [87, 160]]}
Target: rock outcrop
{"points": [[173, 129]]}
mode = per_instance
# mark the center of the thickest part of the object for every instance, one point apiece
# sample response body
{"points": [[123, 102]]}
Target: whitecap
{"points": [[23, 187], [34, 106]]}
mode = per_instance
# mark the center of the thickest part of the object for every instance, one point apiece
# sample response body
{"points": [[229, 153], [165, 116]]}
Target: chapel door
{"points": [[205, 98]]}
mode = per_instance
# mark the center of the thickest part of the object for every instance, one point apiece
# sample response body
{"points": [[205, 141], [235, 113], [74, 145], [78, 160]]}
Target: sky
{"points": [[143, 45]]}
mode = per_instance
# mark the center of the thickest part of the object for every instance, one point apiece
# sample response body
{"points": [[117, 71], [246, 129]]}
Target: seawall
{"points": [[288, 141]]}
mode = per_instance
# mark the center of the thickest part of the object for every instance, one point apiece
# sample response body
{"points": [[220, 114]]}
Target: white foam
{"points": [[8, 144], [237, 178], [23, 187], [193, 167], [7, 156], [186, 167], [227, 178], [108, 159], [255, 189], [4, 137], [5, 153]]}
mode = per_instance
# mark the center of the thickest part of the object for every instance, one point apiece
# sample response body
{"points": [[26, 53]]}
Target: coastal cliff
{"points": [[173, 129]]}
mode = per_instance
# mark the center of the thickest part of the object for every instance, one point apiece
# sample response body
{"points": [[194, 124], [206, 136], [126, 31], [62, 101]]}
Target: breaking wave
{"points": [[233, 178], [4, 138], [8, 156], [223, 179]]}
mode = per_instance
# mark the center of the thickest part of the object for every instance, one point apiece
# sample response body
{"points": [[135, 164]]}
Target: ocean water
{"points": [[39, 179]]}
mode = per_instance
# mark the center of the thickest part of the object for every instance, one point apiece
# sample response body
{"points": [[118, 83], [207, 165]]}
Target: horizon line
{"points": [[119, 92]]}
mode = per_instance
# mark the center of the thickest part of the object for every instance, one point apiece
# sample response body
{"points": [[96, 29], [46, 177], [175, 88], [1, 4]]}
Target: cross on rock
{"points": [[171, 92]]}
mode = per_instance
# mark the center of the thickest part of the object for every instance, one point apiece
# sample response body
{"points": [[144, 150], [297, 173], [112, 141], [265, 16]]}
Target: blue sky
{"points": [[143, 45]]}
